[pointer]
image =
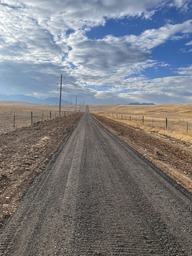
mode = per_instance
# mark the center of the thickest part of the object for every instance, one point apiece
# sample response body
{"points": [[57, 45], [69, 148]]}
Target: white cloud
{"points": [[94, 10], [151, 38], [110, 60], [189, 43], [181, 4], [185, 71], [176, 89], [34, 30], [107, 54], [173, 89], [43, 37]]}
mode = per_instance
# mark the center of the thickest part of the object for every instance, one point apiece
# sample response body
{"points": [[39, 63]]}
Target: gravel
{"points": [[100, 197]]}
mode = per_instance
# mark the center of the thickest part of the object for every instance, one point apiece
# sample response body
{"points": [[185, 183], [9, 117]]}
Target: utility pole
{"points": [[75, 103], [60, 98]]}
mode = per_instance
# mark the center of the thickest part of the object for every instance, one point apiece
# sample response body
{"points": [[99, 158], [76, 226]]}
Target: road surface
{"points": [[100, 198]]}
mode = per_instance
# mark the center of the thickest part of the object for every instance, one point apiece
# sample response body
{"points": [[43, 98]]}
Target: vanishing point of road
{"points": [[100, 197]]}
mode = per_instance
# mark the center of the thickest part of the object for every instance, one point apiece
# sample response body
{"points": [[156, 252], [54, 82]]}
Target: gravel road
{"points": [[100, 198]]}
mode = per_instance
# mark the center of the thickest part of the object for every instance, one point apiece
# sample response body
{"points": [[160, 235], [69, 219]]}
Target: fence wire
{"points": [[183, 126], [12, 119]]}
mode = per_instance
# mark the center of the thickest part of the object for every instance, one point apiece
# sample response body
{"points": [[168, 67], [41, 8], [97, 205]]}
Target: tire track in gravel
{"points": [[100, 198]]}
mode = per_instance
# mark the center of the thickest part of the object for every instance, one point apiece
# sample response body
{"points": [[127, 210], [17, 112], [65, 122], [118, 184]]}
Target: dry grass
{"points": [[16, 115], [168, 111], [153, 118]]}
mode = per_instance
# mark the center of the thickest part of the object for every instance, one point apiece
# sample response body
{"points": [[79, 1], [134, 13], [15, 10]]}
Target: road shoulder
{"points": [[171, 156]]}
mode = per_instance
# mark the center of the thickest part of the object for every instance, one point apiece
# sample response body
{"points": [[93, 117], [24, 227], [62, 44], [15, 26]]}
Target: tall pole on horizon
{"points": [[60, 98], [76, 103]]}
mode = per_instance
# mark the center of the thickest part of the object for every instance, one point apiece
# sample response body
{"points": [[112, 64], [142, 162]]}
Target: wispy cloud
{"points": [[185, 71], [152, 38], [42, 38]]}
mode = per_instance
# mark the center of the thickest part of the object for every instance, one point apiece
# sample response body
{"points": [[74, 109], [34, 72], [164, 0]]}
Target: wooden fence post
{"points": [[14, 120], [143, 119], [187, 127], [31, 118], [166, 123], [50, 115]]}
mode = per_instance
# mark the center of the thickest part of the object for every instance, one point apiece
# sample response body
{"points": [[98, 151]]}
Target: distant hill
{"points": [[30, 99], [140, 104]]}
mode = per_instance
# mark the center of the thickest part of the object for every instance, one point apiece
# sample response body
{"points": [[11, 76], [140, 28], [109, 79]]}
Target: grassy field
{"points": [[15, 115], [171, 120]]}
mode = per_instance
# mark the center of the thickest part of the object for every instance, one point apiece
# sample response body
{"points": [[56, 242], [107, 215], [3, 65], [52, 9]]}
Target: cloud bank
{"points": [[40, 39]]}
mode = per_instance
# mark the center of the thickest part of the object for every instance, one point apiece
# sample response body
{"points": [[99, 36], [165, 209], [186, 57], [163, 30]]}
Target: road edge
{"points": [[44, 172], [161, 172]]}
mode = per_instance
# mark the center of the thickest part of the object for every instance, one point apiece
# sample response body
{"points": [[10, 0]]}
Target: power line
{"points": [[18, 41], [5, 63], [8, 8], [14, 55], [27, 66]]}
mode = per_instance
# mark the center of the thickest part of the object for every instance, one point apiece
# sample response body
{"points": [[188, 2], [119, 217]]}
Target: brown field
{"points": [[171, 120], [16, 115]]}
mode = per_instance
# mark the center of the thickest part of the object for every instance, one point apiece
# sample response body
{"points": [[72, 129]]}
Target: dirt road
{"points": [[100, 198]]}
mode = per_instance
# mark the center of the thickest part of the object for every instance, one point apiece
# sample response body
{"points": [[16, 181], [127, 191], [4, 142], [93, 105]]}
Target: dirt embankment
{"points": [[24, 153], [100, 198], [171, 155]]}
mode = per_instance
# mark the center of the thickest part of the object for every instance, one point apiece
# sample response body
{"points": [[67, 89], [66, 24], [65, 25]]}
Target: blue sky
{"points": [[108, 51]]}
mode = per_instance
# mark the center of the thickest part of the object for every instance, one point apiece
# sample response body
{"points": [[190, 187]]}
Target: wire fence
{"points": [[12, 119], [183, 126]]}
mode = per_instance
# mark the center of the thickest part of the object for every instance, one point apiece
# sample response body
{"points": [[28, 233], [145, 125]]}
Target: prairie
{"points": [[172, 120], [16, 115]]}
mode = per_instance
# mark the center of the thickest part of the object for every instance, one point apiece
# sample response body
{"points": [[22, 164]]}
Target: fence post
{"points": [[50, 115], [166, 123], [14, 120], [31, 118], [143, 119], [187, 127]]}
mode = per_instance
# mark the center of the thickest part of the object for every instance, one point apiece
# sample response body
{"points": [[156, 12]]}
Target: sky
{"points": [[108, 51]]}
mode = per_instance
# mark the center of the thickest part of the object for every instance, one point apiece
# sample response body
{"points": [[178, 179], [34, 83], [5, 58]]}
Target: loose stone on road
{"points": [[100, 198]]}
